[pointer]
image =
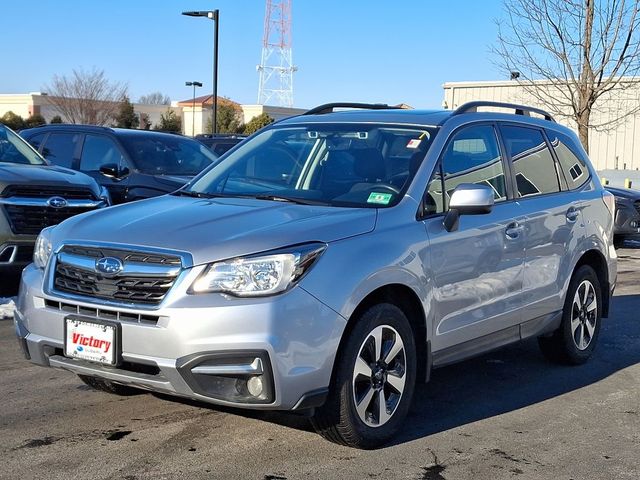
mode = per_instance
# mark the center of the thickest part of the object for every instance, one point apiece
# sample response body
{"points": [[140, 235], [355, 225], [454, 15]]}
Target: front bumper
{"points": [[294, 335]]}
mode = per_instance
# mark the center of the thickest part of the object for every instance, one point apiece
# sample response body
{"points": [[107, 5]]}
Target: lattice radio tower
{"points": [[276, 67]]}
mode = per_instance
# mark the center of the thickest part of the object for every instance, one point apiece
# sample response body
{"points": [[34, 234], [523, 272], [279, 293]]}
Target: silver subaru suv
{"points": [[330, 262]]}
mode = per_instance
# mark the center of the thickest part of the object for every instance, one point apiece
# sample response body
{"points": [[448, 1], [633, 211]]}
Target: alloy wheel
{"points": [[379, 375], [584, 315]]}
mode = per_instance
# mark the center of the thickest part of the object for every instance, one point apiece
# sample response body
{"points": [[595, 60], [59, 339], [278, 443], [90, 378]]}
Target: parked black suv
{"points": [[131, 164], [220, 142]]}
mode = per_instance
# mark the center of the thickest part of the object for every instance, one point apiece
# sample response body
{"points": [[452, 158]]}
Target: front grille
{"points": [[39, 191], [102, 314], [131, 288], [27, 220], [637, 205]]}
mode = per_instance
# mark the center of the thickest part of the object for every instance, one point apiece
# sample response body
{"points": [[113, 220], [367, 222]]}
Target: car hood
{"points": [[215, 229], [624, 193], [18, 174]]}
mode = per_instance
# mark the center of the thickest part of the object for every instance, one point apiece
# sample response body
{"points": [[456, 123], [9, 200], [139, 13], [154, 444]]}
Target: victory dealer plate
{"points": [[91, 341]]}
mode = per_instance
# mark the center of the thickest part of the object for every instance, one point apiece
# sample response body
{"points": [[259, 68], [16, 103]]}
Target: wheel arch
{"points": [[596, 260], [407, 300]]}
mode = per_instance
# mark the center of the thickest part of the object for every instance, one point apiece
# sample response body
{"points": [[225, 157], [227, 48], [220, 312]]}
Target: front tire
{"points": [[374, 380], [109, 387], [575, 340]]}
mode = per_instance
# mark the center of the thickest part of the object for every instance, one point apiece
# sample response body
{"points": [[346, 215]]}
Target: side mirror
{"points": [[112, 170], [468, 199]]}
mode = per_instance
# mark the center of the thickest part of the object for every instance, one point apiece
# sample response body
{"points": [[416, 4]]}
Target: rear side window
{"points": [[99, 150], [471, 156], [36, 140], [574, 168], [533, 165], [60, 147]]}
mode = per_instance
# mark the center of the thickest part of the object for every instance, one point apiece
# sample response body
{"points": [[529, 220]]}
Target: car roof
{"points": [[395, 116], [95, 129]]}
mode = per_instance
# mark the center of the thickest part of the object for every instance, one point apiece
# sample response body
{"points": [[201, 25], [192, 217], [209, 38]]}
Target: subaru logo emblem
{"points": [[109, 266], [57, 202]]}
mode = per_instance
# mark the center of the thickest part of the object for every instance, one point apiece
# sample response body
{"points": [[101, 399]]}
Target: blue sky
{"points": [[346, 50]]}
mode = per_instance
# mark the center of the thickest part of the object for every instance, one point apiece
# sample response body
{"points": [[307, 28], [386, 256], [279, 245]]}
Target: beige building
{"points": [[613, 148], [194, 121]]}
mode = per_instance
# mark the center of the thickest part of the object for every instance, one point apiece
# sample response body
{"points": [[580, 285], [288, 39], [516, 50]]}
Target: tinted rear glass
{"points": [[533, 165], [573, 166]]}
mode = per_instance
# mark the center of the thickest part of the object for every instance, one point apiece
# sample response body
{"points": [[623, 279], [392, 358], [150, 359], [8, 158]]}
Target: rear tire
{"points": [[575, 340], [374, 379], [110, 387]]}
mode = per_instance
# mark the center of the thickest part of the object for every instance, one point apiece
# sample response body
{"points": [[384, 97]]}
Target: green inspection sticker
{"points": [[380, 198]]}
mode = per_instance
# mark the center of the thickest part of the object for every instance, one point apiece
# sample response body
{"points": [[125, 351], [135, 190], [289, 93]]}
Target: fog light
{"points": [[254, 385], [634, 224]]}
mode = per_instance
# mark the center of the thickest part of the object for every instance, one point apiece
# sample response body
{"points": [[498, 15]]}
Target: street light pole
{"points": [[215, 16], [214, 115], [193, 106]]}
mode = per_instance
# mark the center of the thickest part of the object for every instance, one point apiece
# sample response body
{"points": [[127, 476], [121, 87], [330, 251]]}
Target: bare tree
{"points": [[155, 98], [571, 53], [86, 96]]}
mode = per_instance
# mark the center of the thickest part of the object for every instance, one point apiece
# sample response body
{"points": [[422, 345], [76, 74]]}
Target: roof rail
{"points": [[519, 109], [330, 107]]}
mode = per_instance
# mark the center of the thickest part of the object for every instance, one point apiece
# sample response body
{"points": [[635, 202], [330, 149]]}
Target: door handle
{"points": [[513, 230], [572, 214]]}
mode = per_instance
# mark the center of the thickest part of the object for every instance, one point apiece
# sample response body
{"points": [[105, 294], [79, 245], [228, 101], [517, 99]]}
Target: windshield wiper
{"points": [[191, 193], [299, 201]]}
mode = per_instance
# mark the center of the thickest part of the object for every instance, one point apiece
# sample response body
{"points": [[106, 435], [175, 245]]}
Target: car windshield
{"points": [[167, 154], [358, 165], [14, 149]]}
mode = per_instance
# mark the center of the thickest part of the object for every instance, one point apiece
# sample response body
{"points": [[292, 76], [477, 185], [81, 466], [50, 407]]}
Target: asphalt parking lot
{"points": [[508, 414]]}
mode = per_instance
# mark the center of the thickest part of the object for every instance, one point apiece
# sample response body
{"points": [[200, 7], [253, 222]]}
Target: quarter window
{"points": [[471, 156], [575, 169], [533, 165]]}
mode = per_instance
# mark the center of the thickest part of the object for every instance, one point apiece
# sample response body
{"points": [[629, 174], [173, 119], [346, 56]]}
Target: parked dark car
{"points": [[33, 196], [131, 164], [220, 143], [627, 218]]}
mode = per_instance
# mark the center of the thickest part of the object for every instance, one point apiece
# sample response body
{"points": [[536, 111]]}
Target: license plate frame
{"points": [[92, 324]]}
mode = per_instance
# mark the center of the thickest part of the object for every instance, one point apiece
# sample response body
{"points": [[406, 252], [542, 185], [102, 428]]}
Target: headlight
{"points": [[104, 195], [42, 250], [259, 275]]}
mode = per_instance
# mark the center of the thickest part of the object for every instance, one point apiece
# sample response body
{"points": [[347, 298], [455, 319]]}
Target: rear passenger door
{"points": [[99, 150], [477, 270], [553, 222]]}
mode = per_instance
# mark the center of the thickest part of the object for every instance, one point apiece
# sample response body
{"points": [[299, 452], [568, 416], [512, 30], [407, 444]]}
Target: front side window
{"points": [[533, 165], [359, 165], [99, 150], [60, 147], [471, 156], [574, 168], [159, 154], [13, 149]]}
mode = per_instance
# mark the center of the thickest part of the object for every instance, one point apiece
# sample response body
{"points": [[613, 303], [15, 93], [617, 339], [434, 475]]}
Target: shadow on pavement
{"points": [[499, 382]]}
